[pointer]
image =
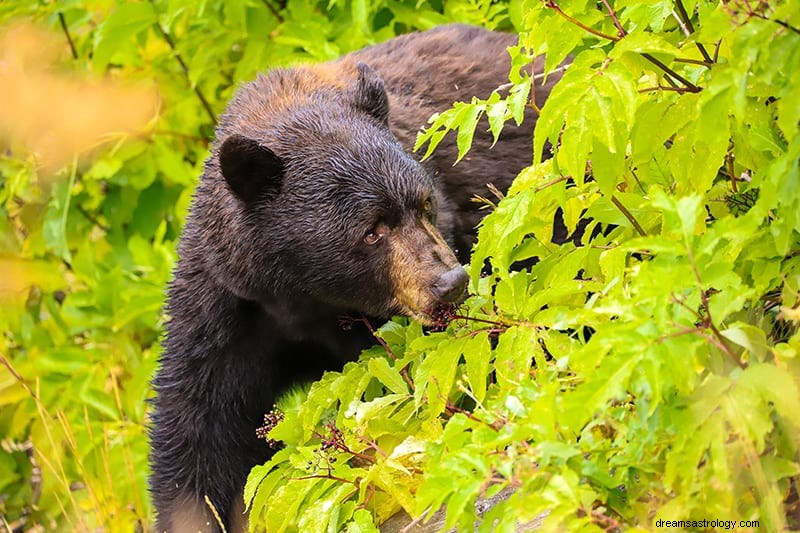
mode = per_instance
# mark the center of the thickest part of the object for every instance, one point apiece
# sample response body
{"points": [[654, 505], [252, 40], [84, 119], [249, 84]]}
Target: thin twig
{"points": [[452, 409], [639, 183], [92, 219], [273, 10], [691, 86], [551, 183], [613, 14], [708, 320], [679, 90], [343, 448], [537, 77], [751, 12], [786, 25], [729, 157], [64, 28], [629, 216], [483, 320], [553, 5], [383, 344], [404, 370], [688, 21], [328, 476], [707, 64], [185, 68], [682, 24]]}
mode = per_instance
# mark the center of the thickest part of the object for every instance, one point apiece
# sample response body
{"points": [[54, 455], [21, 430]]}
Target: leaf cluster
{"points": [[647, 368]]}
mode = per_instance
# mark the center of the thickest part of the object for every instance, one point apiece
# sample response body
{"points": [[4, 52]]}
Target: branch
{"points": [[346, 321], [693, 62], [273, 11], [679, 90], [708, 322], [64, 28], [551, 183], [629, 216], [185, 68], [613, 14], [729, 157], [691, 87], [786, 25], [688, 22], [753, 13], [328, 476], [92, 219], [553, 5]]}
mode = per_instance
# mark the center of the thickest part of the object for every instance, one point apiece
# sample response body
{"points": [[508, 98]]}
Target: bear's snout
{"points": [[450, 286]]}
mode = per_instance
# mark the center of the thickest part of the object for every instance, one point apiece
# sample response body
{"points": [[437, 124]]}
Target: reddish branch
{"points": [[670, 74], [613, 14], [704, 320], [752, 12], [403, 371], [629, 216], [553, 5]]}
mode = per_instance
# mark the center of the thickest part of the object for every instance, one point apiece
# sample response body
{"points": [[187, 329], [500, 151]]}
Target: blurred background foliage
{"points": [[106, 111]]}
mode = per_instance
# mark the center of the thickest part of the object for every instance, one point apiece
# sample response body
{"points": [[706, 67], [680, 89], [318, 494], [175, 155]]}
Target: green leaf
{"points": [[436, 374], [466, 129], [749, 337], [514, 355], [121, 27], [389, 376], [776, 386], [477, 355]]}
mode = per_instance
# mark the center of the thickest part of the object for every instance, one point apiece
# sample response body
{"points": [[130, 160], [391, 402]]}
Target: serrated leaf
{"points": [[466, 129], [496, 114], [514, 354], [477, 355], [775, 385], [518, 100], [436, 374], [388, 375]]}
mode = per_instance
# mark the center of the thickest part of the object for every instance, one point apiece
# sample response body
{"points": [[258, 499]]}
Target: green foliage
{"points": [[90, 247], [650, 372]]}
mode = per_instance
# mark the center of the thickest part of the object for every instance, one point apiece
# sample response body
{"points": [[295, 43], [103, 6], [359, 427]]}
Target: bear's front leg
{"points": [[212, 389]]}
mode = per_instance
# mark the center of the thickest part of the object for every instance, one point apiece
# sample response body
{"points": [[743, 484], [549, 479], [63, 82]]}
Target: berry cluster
{"points": [[329, 445], [441, 316], [335, 441], [271, 420]]}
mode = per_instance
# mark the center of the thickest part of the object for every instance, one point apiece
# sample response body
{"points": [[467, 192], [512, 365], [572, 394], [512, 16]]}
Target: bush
{"points": [[650, 373]]}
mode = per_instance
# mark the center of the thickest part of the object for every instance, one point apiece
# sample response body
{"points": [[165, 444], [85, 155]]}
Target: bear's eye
{"points": [[375, 234]]}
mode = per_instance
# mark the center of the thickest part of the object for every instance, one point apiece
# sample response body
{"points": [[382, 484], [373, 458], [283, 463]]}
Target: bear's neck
{"points": [[300, 319]]}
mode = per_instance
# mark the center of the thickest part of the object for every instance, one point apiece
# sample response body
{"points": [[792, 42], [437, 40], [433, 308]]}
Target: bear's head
{"points": [[334, 209]]}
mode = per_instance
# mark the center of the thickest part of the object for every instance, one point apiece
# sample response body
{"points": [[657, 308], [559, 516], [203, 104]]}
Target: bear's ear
{"points": [[251, 170], [371, 94]]}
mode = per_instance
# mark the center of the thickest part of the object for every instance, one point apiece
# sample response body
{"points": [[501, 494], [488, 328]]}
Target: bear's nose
{"points": [[451, 285]]}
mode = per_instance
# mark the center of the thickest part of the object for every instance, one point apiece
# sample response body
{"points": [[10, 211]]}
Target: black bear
{"points": [[312, 206]]}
